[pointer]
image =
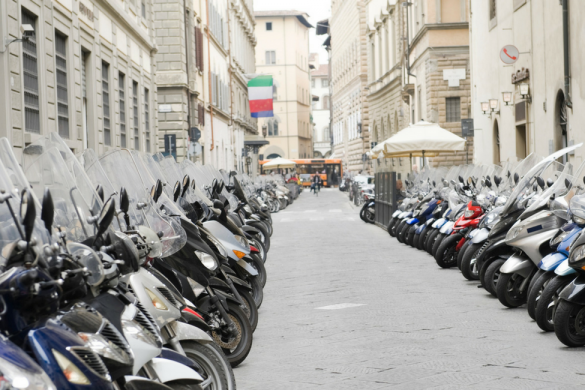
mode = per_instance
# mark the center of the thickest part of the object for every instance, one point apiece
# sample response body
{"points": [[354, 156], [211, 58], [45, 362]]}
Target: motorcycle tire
{"points": [[404, 233], [508, 290], [395, 226], [416, 240], [535, 293], [390, 226], [461, 253], [423, 238], [260, 246], [257, 290], [431, 240], [446, 254], [399, 231], [218, 371], [437, 243], [258, 265], [410, 234], [546, 307], [250, 308], [468, 270], [491, 276], [539, 273], [263, 233], [564, 321], [237, 350]]}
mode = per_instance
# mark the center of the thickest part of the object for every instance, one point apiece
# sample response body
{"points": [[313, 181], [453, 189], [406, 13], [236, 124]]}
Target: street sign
{"points": [[467, 127], [509, 54], [195, 134]]}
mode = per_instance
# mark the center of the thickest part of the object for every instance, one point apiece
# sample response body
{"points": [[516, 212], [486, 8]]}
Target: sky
{"points": [[316, 9]]}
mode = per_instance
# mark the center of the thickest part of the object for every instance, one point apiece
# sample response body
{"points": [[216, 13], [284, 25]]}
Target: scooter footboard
{"points": [[170, 371], [518, 264], [185, 331]]}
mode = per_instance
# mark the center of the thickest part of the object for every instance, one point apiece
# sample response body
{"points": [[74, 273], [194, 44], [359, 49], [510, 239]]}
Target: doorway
{"points": [[521, 139], [496, 143]]}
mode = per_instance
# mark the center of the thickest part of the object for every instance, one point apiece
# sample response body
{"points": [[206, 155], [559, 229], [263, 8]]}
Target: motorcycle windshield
{"points": [[560, 187], [139, 194], [524, 186], [170, 169], [72, 207], [189, 168]]}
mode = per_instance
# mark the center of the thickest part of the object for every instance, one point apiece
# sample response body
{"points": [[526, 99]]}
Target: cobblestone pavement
{"points": [[348, 307]]}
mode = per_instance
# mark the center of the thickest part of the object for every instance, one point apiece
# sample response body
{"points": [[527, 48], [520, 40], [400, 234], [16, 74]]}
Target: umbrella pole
{"points": [[423, 162], [410, 162]]}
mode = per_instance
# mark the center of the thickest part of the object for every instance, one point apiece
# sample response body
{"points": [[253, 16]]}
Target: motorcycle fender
{"points": [[396, 213], [480, 235], [445, 227], [185, 331], [169, 371], [420, 229], [552, 261], [430, 221], [438, 223], [225, 296], [411, 221], [247, 267], [575, 291], [140, 383], [250, 229], [215, 282], [563, 269], [518, 264], [240, 282], [169, 354]]}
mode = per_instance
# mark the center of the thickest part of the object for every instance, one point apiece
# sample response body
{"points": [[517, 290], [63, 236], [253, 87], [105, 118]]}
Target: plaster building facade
{"points": [[206, 48], [436, 73], [349, 70], [539, 98], [320, 108], [88, 73], [283, 52]]}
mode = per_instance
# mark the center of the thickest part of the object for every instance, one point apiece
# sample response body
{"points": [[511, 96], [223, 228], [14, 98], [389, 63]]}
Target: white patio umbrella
{"points": [[279, 162]]}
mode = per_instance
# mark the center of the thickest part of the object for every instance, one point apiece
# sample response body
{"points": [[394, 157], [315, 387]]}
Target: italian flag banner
{"points": [[260, 96]]}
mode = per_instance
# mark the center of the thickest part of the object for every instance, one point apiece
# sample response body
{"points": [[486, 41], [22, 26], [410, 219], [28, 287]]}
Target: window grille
{"points": [[147, 119], [122, 105], [32, 118], [135, 114], [453, 109], [106, 102], [61, 72], [268, 26]]}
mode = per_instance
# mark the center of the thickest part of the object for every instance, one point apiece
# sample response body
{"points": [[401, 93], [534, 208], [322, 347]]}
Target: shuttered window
{"points": [[62, 92], [32, 120], [122, 106], [453, 109], [147, 119], [106, 102], [198, 48], [135, 114]]}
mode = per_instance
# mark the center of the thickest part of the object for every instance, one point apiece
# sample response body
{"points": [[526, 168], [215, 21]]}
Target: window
{"points": [[270, 57], [325, 102], [146, 119], [32, 118], [275, 128], [274, 92], [61, 73], [312, 83], [492, 9], [143, 9], [106, 102], [135, 114], [268, 26], [269, 128], [453, 109], [324, 83], [122, 105], [198, 48]]}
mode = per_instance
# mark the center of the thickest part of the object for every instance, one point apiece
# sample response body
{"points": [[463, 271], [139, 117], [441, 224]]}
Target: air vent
{"points": [[146, 324], [112, 334], [168, 295], [146, 314], [91, 360]]}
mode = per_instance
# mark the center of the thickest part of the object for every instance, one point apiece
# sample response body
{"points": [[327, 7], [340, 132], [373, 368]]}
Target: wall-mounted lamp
{"points": [[27, 32], [525, 92], [494, 106], [507, 97], [485, 107]]}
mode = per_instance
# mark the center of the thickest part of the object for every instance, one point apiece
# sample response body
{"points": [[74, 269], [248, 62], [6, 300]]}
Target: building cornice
{"points": [[463, 49], [437, 26]]}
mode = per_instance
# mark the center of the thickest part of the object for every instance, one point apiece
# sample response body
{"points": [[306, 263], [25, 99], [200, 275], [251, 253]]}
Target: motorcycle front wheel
{"points": [[432, 237], [218, 373], [509, 290], [469, 266], [236, 348], [446, 254], [390, 226], [549, 299], [569, 324], [536, 291], [490, 277]]}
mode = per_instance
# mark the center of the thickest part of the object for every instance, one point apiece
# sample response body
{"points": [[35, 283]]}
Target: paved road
{"points": [[347, 307]]}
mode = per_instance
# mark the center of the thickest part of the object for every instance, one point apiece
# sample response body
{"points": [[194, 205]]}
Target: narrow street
{"points": [[348, 307]]}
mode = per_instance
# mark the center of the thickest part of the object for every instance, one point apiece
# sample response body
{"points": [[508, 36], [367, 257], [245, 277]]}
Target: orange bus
{"points": [[330, 170]]}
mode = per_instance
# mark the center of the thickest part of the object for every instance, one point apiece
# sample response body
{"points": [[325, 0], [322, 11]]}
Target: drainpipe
{"points": [[209, 77], [566, 52], [188, 72]]}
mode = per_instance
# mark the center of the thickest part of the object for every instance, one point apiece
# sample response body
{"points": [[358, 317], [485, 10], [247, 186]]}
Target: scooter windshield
{"points": [[191, 169], [72, 210], [122, 172], [558, 189]]}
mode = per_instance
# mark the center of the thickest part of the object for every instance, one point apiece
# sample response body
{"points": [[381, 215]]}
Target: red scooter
{"points": [[446, 255]]}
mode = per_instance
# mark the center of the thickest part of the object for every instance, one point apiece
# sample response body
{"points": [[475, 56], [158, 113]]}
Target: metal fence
{"points": [[386, 197]]}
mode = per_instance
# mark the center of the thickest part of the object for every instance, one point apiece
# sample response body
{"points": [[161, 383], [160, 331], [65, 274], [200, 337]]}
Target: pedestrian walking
{"points": [[316, 185]]}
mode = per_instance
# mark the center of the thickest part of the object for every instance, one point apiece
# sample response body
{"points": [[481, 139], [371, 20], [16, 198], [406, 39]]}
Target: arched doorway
{"points": [[496, 143], [560, 132], [273, 155]]}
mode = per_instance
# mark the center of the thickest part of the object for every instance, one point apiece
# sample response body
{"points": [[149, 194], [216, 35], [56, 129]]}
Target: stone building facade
{"points": [[349, 70], [283, 52], [88, 73], [320, 108]]}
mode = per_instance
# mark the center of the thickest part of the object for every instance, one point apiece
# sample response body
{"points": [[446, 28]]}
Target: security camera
{"points": [[27, 31]]}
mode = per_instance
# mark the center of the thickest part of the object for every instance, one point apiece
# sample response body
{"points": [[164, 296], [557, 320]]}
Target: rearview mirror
{"points": [[100, 191], [461, 180], [106, 216], [497, 180], [48, 210], [540, 182], [568, 183], [186, 182], [176, 191], [156, 190], [516, 178], [218, 204], [233, 173], [124, 201], [28, 213], [550, 182], [488, 183]]}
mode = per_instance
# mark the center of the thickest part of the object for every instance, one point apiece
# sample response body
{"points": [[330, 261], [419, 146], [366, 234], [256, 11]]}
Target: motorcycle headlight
{"points": [[156, 301], [207, 260], [513, 233], [468, 213], [197, 288], [243, 242], [578, 220], [577, 255], [19, 378], [70, 370], [558, 239], [133, 329], [104, 347], [220, 248], [248, 209]]}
